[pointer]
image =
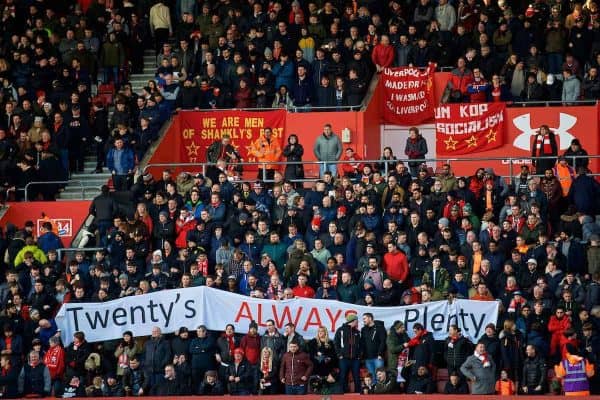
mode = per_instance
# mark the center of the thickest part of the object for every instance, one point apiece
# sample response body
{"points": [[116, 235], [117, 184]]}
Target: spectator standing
{"points": [[373, 340], [415, 149], [347, 346], [481, 370], [575, 372], [533, 380], [267, 150], [571, 89], [120, 160], [157, 354], [293, 152], [575, 149], [296, 367], [34, 379], [544, 145], [160, 23], [383, 55], [328, 149]]}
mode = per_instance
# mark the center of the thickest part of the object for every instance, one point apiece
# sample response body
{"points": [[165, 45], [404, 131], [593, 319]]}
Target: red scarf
{"points": [[265, 367], [543, 144], [231, 343]]}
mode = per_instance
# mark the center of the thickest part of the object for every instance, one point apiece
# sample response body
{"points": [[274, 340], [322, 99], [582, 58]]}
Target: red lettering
{"points": [[259, 319], [314, 313], [333, 319], [244, 312], [279, 322], [286, 314]]}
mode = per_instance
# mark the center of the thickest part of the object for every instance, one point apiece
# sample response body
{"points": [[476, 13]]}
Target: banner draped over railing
{"points": [[200, 129], [214, 308], [469, 128], [408, 95]]}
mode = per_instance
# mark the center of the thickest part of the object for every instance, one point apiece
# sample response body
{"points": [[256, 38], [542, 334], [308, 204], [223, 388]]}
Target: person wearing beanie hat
{"points": [[250, 344], [347, 345]]}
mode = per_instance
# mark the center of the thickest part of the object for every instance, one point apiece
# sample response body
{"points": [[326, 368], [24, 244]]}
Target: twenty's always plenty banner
{"points": [[200, 129], [469, 128], [408, 95], [173, 309]]}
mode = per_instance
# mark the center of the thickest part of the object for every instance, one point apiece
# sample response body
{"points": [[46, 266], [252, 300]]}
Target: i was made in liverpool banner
{"points": [[408, 95], [469, 128]]}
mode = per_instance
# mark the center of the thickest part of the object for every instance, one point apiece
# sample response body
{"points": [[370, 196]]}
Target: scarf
{"points": [[231, 344], [543, 145], [483, 357], [265, 367]]}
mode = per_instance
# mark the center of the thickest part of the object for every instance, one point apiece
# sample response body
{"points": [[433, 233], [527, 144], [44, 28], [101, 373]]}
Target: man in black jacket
{"points": [[157, 354], [103, 208], [34, 379], [372, 344], [457, 349], [347, 346], [8, 378], [534, 373], [169, 384]]}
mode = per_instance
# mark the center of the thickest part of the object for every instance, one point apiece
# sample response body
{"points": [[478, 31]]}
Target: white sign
{"points": [[214, 308]]}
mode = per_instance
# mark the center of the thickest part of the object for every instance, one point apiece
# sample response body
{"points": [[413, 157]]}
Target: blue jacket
{"points": [[127, 160], [49, 241], [284, 75]]}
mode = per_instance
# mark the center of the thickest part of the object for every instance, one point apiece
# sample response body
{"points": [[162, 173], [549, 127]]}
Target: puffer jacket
{"points": [[457, 351], [534, 372]]}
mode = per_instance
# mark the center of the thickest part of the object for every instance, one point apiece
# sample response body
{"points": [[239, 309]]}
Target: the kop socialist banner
{"points": [[200, 129], [469, 128], [408, 95]]}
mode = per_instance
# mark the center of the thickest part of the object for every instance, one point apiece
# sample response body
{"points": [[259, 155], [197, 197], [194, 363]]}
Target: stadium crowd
{"points": [[358, 236]]}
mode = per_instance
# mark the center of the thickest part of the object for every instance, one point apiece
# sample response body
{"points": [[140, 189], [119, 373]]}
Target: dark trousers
{"points": [[346, 365], [121, 182], [161, 36]]}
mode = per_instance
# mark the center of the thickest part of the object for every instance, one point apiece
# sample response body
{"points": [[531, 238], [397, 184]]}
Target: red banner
{"points": [[469, 128], [408, 95], [200, 129]]}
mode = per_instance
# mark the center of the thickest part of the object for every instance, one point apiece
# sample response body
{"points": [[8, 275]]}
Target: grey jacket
{"points": [[328, 148], [484, 378], [571, 89]]}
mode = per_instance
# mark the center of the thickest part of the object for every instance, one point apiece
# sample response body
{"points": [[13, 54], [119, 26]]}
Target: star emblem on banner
{"points": [[451, 143], [471, 142], [192, 149], [491, 136]]}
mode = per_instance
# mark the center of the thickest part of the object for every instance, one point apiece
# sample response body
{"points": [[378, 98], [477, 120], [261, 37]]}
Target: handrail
{"points": [[75, 249], [298, 109], [75, 181], [386, 163]]}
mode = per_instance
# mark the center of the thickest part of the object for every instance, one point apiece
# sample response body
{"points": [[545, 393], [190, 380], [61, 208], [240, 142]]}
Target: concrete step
{"points": [[77, 196]]}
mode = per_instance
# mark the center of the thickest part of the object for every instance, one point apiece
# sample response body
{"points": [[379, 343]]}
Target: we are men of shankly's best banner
{"points": [[200, 129], [214, 308]]}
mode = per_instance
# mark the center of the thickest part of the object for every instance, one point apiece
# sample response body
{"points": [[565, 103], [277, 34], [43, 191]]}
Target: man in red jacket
{"points": [[296, 368], [395, 264], [383, 54], [55, 361]]}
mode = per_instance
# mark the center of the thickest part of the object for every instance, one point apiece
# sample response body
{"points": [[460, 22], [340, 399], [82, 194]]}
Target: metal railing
{"points": [[510, 161], [76, 182], [300, 109], [66, 250]]}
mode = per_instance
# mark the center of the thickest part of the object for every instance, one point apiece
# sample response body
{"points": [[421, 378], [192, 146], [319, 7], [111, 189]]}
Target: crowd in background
{"points": [[358, 235]]}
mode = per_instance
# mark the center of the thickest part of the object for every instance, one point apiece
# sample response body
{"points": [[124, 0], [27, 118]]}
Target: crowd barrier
{"points": [[434, 163], [357, 396]]}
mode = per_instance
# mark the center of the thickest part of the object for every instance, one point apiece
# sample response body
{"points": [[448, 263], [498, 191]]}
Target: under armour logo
{"points": [[523, 123]]}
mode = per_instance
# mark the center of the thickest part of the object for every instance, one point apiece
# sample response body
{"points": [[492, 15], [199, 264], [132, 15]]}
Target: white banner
{"points": [[173, 309]]}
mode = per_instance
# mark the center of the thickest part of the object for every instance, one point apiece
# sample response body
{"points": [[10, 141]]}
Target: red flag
{"points": [[469, 128], [408, 95]]}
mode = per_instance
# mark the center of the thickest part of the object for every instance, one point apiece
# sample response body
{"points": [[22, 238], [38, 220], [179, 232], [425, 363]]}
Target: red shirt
{"points": [[306, 292]]}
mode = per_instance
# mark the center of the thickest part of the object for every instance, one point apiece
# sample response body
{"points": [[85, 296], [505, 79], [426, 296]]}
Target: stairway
{"points": [[92, 182], [138, 81]]}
